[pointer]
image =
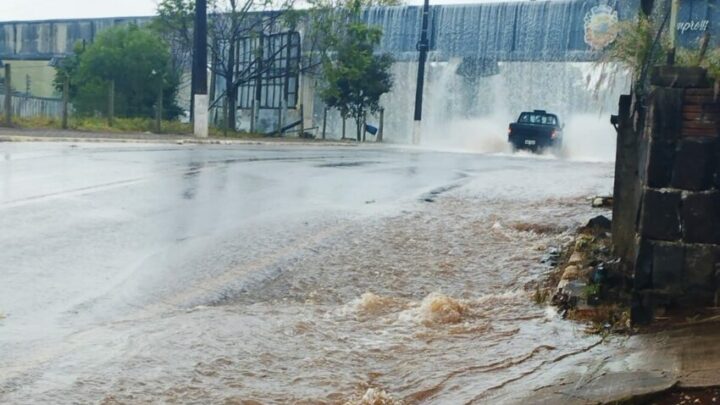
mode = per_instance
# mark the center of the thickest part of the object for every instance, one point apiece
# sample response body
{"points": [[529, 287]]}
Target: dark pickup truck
{"points": [[536, 131]]}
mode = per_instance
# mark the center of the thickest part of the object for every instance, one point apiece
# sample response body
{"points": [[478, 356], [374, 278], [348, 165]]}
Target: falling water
{"points": [[488, 63]]}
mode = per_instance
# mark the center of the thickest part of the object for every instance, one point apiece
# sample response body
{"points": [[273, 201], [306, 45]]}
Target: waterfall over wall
{"points": [[472, 112], [489, 62], [517, 31]]}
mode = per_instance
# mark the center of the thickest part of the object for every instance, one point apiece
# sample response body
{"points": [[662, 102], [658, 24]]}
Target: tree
{"points": [[233, 21], [174, 24], [356, 77], [327, 23], [229, 22], [644, 43], [236, 20], [135, 60]]}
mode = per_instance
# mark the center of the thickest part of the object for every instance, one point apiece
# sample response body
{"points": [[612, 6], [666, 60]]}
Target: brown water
{"points": [[429, 306]]}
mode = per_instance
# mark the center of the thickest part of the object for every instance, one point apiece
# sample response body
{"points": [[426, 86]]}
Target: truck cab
{"points": [[536, 131]]}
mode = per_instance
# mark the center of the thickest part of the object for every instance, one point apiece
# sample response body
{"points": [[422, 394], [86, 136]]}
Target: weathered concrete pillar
{"points": [[627, 182], [200, 124]]}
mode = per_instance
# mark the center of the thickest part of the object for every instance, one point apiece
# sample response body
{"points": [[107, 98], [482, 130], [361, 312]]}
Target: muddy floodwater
{"points": [[246, 275]]}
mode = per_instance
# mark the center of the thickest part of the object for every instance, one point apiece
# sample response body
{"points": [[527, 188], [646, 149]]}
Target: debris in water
{"points": [[539, 229], [551, 257], [602, 202]]}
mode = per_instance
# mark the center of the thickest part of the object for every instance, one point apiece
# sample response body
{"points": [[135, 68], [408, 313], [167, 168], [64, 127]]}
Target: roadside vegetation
{"points": [[639, 47], [129, 64], [356, 78], [124, 125], [129, 79]]}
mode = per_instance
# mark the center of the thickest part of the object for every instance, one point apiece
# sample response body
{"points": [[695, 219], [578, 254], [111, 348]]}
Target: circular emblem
{"points": [[601, 27]]}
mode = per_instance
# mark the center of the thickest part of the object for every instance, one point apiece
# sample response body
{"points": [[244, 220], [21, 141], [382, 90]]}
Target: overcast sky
{"points": [[55, 9]]}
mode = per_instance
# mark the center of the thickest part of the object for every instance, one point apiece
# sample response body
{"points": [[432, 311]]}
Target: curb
{"points": [[180, 141]]}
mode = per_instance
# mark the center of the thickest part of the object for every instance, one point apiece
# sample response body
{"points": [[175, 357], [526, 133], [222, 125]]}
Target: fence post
{"points": [[8, 95], [279, 122], [364, 127], [382, 124], [111, 103], [252, 117], [324, 122], [302, 121], [66, 96], [158, 111], [226, 116]]}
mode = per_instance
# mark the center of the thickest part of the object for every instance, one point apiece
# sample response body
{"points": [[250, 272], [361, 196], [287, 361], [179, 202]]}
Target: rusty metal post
{"points": [[324, 122]]}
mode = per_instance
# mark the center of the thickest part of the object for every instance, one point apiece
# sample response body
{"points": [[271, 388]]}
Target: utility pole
{"points": [[8, 95], [324, 122], [258, 83], [674, 9], [422, 47], [647, 6], [302, 120], [199, 71]]}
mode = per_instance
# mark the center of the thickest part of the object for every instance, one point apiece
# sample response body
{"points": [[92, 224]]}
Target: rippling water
{"points": [[429, 306]]}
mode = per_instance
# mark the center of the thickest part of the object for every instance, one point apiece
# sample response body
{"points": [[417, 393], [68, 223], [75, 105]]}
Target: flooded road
{"points": [[270, 274]]}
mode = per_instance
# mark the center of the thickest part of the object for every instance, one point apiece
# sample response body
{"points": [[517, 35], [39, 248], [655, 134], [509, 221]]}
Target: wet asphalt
{"points": [[92, 233]]}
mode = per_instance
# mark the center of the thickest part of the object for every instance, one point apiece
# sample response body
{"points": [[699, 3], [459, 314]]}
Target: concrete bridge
{"points": [[475, 37], [551, 30], [530, 30]]}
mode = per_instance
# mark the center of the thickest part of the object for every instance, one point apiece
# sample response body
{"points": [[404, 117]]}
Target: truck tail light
{"points": [[554, 134]]}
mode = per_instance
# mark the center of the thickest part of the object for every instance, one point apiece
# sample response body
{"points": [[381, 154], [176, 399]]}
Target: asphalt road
{"points": [[98, 233]]}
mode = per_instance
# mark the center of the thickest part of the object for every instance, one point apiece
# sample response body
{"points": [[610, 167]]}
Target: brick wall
{"points": [[677, 260]]}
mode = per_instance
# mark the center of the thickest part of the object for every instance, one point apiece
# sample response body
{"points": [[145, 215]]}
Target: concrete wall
{"points": [[33, 77], [41, 40], [677, 229]]}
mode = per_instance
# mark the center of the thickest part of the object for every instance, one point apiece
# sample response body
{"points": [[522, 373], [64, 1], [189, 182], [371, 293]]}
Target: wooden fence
{"points": [[28, 107]]}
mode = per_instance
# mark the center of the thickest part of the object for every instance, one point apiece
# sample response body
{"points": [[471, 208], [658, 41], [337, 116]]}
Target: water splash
{"points": [[373, 396], [371, 304], [472, 113], [439, 309]]}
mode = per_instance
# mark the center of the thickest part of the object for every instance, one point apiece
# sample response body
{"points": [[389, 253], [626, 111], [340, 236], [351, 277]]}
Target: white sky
{"points": [[11, 10]]}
